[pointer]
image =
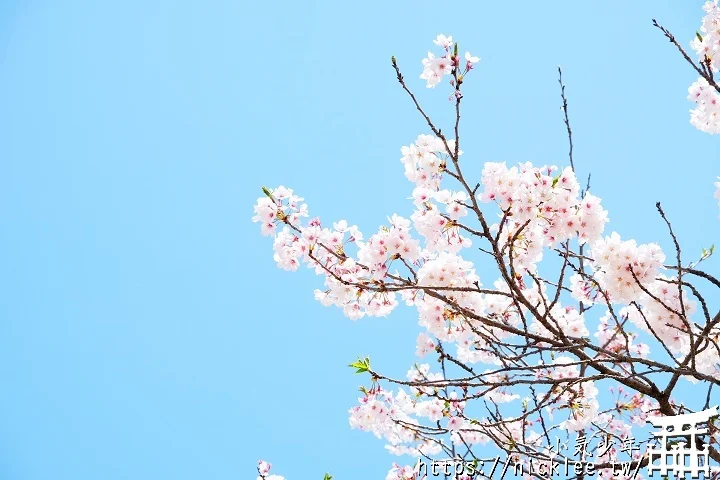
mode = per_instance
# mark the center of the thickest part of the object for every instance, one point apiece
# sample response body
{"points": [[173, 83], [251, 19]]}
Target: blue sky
{"points": [[144, 330]]}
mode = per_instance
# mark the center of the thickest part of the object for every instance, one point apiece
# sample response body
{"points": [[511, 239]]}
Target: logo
{"points": [[681, 449]]}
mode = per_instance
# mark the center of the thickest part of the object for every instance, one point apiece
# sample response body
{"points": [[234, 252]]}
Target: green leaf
{"points": [[555, 181], [706, 252], [267, 192], [327, 477], [361, 365], [699, 36]]}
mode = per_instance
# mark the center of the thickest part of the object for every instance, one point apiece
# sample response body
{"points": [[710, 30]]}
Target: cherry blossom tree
{"points": [[514, 356]]}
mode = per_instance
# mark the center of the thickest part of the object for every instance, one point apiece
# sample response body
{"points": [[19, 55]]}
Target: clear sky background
{"points": [[145, 332]]}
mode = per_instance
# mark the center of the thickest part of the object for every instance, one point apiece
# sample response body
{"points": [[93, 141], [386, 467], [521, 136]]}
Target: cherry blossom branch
{"points": [[703, 72], [567, 119]]}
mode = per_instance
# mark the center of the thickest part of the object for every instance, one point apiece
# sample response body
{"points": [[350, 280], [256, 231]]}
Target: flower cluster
{"points": [[664, 314], [630, 274], [623, 268], [379, 412], [388, 244], [435, 68], [279, 205], [706, 116], [540, 209], [425, 344], [707, 43], [390, 416], [425, 160], [263, 469], [441, 229], [707, 360], [568, 321]]}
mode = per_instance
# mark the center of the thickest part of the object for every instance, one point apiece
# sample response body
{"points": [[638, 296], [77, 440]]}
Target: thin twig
{"points": [[567, 119]]}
